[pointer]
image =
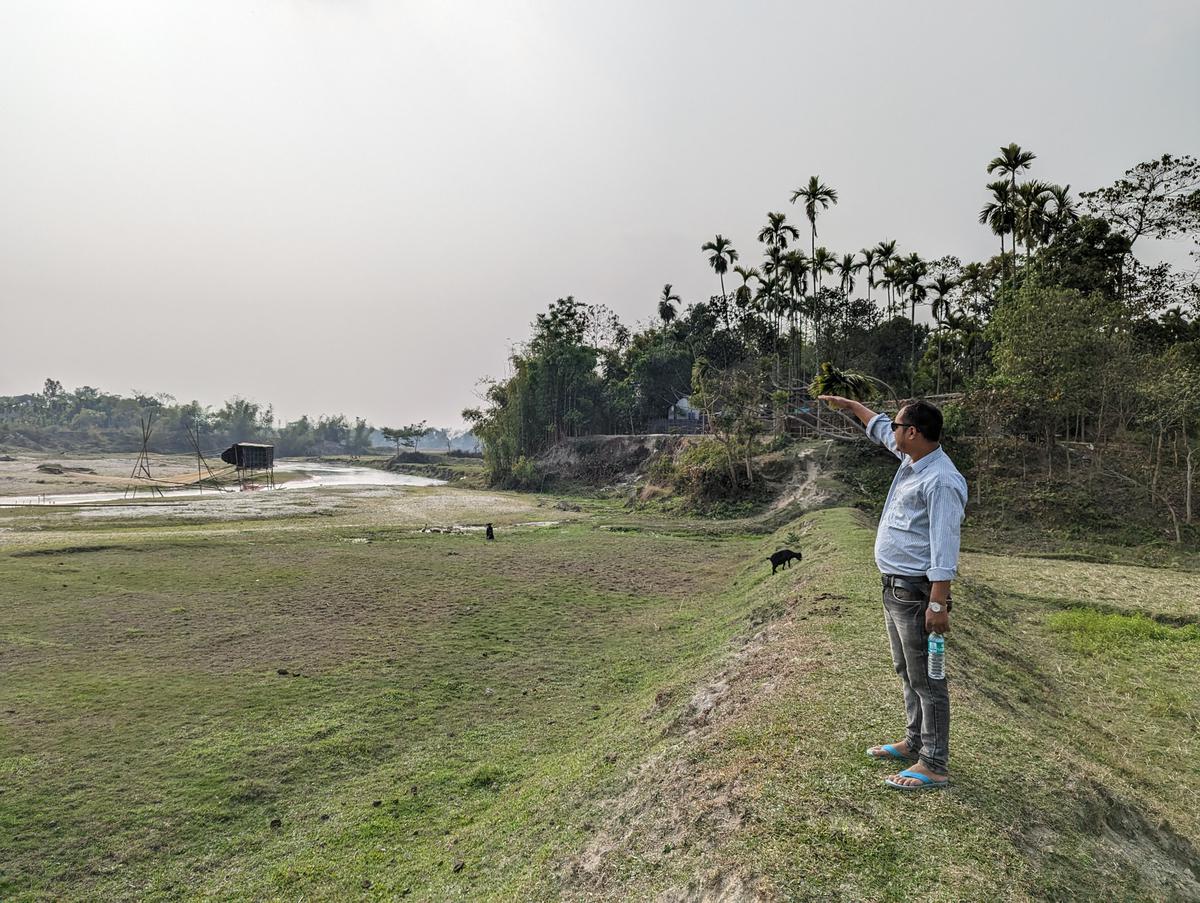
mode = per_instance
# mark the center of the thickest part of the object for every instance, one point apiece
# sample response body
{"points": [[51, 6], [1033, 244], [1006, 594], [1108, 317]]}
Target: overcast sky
{"points": [[358, 207]]}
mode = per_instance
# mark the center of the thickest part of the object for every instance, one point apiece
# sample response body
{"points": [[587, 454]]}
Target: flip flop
{"points": [[927, 783], [891, 753]]}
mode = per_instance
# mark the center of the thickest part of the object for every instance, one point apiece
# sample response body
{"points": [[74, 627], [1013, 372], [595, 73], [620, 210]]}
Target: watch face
{"points": [[935, 606]]}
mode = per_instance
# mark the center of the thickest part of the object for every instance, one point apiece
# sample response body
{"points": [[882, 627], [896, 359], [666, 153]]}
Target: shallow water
{"points": [[318, 475]]}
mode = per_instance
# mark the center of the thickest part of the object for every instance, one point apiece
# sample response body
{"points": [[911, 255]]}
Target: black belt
{"points": [[919, 585], [912, 584]]}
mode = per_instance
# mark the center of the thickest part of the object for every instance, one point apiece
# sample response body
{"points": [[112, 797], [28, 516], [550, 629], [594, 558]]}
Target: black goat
{"points": [[783, 557]]}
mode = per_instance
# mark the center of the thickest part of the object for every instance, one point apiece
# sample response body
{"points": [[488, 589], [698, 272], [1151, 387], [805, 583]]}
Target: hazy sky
{"points": [[358, 207]]}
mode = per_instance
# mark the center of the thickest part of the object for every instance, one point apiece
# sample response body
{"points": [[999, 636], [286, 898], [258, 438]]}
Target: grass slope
{"points": [[1072, 744], [576, 712]]}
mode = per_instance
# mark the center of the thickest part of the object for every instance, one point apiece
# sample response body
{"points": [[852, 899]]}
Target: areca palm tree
{"points": [[846, 268], [1011, 161], [821, 264], [778, 231], [942, 285], [870, 262], [1064, 212], [998, 212], [666, 304], [794, 271], [815, 194], [722, 254], [768, 299], [1033, 198], [893, 281], [885, 251], [742, 295]]}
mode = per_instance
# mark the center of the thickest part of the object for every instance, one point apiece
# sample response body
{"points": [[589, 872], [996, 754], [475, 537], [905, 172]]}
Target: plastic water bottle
{"points": [[937, 657]]}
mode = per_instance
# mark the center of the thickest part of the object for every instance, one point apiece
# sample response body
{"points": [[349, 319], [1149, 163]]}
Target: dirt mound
{"points": [[604, 460], [681, 804]]}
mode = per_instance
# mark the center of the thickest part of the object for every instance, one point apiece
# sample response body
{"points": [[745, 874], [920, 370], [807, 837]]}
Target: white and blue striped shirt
{"points": [[919, 529]]}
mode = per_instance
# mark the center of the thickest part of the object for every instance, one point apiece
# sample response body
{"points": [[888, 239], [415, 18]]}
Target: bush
{"points": [[524, 475], [702, 477]]}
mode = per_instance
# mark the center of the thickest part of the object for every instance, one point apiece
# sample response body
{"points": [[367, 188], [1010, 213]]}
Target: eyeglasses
{"points": [[896, 424]]}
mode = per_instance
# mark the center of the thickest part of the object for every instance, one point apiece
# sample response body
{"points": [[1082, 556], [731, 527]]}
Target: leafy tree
{"points": [[405, 435], [1159, 199], [1054, 351]]}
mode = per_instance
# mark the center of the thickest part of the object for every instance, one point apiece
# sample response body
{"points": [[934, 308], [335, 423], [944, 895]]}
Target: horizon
{"points": [[359, 193]]}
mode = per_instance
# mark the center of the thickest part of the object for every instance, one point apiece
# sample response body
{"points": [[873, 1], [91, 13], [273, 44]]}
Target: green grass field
{"points": [[607, 707]]}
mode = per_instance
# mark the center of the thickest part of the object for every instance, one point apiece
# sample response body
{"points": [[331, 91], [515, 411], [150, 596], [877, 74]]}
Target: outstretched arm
{"points": [[878, 426], [857, 408]]}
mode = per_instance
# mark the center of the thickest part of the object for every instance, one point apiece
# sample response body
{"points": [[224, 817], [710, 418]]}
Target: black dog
{"points": [[490, 533], [783, 557]]}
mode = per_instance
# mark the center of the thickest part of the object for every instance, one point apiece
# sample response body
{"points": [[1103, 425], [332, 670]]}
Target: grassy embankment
{"points": [[558, 714]]}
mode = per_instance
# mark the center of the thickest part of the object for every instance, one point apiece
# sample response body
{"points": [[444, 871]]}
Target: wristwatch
{"points": [[935, 607]]}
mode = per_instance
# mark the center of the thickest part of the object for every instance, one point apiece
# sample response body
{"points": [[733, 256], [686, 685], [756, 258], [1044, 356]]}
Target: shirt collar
{"points": [[920, 466]]}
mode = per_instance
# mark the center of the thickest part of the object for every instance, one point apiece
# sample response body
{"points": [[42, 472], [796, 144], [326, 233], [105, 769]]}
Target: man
{"points": [[916, 549]]}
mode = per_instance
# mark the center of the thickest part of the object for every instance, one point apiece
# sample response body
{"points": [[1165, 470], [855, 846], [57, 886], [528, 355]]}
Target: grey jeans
{"points": [[926, 701]]}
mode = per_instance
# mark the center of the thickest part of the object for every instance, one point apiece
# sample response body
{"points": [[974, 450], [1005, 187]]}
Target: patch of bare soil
{"points": [[605, 460], [804, 491], [683, 803], [33, 473], [1164, 858]]}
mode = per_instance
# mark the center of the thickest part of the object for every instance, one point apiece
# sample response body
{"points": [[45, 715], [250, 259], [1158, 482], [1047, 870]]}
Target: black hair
{"points": [[926, 417]]}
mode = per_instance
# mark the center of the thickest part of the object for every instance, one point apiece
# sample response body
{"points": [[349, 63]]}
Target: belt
{"points": [[912, 584], [918, 585]]}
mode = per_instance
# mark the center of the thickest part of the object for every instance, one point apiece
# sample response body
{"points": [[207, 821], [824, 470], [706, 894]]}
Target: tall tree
{"points": [[666, 304], [1064, 212], [1011, 161], [1033, 219], [998, 212], [795, 284], [721, 256], [846, 268], [912, 279], [870, 262], [816, 194], [885, 251], [821, 264], [941, 286], [743, 295], [778, 232]]}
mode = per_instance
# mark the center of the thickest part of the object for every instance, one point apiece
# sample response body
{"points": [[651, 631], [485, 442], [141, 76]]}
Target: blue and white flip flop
{"points": [[927, 783], [891, 751]]}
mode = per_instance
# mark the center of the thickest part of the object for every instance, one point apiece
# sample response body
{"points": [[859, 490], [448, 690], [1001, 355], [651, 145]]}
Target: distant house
{"points": [[683, 410], [682, 418]]}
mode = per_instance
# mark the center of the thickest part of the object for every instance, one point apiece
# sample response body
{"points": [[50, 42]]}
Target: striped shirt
{"points": [[919, 529]]}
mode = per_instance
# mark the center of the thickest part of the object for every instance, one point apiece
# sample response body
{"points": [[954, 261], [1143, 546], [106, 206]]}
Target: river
{"points": [[318, 475]]}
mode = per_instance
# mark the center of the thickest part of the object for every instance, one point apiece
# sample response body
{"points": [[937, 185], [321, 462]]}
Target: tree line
{"points": [[1064, 339], [90, 419]]}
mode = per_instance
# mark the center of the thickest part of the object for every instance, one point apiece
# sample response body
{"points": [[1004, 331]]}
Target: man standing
{"points": [[916, 549]]}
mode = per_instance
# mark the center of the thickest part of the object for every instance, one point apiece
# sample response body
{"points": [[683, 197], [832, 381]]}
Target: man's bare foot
{"points": [[919, 768], [878, 752]]}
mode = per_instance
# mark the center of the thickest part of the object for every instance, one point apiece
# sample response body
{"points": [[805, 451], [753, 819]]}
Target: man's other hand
{"points": [[937, 621]]}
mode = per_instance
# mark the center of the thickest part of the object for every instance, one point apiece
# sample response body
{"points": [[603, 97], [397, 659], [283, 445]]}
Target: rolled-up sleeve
{"points": [[945, 502], [879, 431]]}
